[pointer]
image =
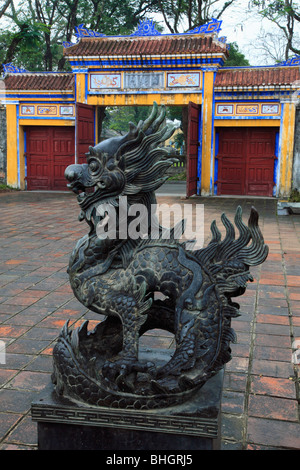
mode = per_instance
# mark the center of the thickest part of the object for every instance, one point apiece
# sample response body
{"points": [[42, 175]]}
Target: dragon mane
{"points": [[138, 155]]}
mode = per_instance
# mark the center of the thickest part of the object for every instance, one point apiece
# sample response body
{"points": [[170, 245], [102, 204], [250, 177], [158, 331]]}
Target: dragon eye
{"points": [[94, 166]]}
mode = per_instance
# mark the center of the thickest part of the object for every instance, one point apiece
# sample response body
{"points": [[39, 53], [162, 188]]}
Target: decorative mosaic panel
{"points": [[183, 79], [47, 110], [247, 109], [51, 111], [144, 80], [66, 110], [27, 110], [270, 108], [225, 109], [100, 81]]}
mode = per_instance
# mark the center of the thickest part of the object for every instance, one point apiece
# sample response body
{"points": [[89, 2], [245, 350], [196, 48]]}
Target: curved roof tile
{"points": [[39, 81], [260, 76], [104, 46]]}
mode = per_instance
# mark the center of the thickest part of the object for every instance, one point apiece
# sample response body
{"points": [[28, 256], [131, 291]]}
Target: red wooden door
{"points": [[85, 130], [192, 149], [63, 155], [49, 150], [232, 161], [246, 161], [260, 161]]}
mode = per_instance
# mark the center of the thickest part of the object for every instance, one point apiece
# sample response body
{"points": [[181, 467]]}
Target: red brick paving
{"points": [[260, 405]]}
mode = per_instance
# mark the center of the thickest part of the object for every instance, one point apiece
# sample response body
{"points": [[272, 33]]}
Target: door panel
{"points": [[85, 130], [246, 161], [232, 165], [49, 151], [260, 161], [192, 149], [63, 155], [38, 162]]}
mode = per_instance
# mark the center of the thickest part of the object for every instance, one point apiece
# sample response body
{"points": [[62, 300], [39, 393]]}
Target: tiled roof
{"points": [[156, 45], [39, 81], [260, 76]]}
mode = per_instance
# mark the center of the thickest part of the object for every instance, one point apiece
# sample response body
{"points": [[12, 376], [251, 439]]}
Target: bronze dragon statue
{"points": [[119, 277]]}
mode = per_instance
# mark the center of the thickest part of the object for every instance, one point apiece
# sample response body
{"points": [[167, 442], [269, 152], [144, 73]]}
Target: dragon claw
{"points": [[119, 369]]}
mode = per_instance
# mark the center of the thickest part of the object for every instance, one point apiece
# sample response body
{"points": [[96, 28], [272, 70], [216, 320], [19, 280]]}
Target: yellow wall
{"points": [[286, 148], [247, 123], [207, 130], [168, 99], [12, 145], [80, 88]]}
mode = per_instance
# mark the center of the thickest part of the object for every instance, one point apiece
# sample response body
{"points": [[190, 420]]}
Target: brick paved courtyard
{"points": [[260, 405]]}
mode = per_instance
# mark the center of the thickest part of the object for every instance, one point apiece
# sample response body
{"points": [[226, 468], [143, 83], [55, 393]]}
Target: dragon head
{"points": [[131, 165]]}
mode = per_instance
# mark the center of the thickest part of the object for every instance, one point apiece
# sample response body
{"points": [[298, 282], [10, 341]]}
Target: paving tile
{"points": [[27, 346], [232, 427], [274, 433], [12, 331], [29, 380], [273, 386], [7, 421], [273, 407], [24, 433], [234, 381], [16, 401], [275, 353], [269, 368], [271, 340], [233, 402], [41, 363]]}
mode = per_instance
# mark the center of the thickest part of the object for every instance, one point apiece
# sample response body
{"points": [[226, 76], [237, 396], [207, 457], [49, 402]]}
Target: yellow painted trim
{"points": [[80, 88], [12, 145], [247, 122], [46, 122], [207, 130], [169, 99], [287, 149], [21, 157]]}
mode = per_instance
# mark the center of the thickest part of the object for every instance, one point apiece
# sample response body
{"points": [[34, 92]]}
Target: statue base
{"points": [[193, 425]]}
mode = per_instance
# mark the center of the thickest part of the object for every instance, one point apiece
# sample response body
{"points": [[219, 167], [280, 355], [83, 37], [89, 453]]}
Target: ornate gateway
{"points": [[118, 277]]}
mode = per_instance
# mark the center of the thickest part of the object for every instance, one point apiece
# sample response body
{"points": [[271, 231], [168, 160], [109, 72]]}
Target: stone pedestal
{"points": [[193, 425]]}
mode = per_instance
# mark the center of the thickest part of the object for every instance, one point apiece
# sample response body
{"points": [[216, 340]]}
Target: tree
{"points": [[56, 21], [183, 15], [286, 15], [117, 118], [26, 37], [271, 46], [4, 7], [236, 58]]}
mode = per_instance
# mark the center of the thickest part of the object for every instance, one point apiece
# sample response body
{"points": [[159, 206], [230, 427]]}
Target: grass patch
{"points": [[6, 188], [178, 177], [295, 196]]}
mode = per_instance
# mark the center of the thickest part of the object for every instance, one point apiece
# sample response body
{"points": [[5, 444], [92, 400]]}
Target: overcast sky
{"points": [[244, 27]]}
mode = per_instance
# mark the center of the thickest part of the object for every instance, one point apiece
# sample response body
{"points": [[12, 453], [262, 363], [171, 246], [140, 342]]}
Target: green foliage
{"points": [[236, 58], [118, 118], [294, 196], [178, 177]]}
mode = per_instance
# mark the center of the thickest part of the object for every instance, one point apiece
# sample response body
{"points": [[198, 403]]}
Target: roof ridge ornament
{"points": [[10, 68], [83, 32], [213, 26], [295, 60], [146, 28]]}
